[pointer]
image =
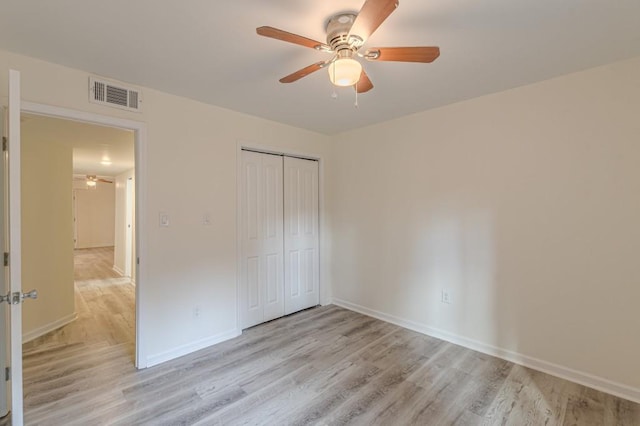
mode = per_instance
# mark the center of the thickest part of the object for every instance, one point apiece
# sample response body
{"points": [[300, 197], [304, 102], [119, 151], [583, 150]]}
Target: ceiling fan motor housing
{"points": [[338, 27]]}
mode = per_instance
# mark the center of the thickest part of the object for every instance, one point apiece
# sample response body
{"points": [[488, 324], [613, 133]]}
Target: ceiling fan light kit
{"points": [[345, 72], [346, 33]]}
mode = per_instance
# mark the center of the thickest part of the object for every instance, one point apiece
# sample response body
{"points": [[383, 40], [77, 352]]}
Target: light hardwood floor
{"points": [[93, 264], [321, 366]]}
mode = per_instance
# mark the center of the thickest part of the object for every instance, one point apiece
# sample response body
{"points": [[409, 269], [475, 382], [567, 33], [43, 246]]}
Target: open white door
{"points": [[4, 288], [15, 297]]}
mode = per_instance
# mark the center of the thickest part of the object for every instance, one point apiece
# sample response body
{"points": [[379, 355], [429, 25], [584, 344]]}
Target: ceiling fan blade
{"points": [[105, 181], [291, 38], [423, 54], [303, 72], [372, 14], [364, 84]]}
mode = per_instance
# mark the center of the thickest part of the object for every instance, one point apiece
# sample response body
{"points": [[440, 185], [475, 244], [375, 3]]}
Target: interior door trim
{"points": [[140, 136]]}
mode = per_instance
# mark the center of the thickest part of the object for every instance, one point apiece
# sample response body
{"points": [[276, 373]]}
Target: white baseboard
{"points": [[580, 377], [94, 245], [191, 347], [41, 331]]}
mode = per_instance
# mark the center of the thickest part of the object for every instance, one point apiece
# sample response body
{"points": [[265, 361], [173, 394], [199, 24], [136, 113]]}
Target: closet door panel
{"points": [[262, 276], [301, 238], [273, 236], [251, 309]]}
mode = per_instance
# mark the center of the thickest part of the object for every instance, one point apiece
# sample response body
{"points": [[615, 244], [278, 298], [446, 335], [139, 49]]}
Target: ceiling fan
{"points": [[346, 34], [92, 180]]}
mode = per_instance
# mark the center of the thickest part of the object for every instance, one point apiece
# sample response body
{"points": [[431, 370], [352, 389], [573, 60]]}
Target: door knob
{"points": [[33, 294], [15, 298]]}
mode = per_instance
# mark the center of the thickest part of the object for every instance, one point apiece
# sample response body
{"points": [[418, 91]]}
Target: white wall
{"points": [[524, 204], [191, 170], [95, 211], [47, 232], [121, 223]]}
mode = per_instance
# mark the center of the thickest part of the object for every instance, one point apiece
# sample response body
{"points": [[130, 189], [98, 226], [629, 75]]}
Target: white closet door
{"points": [[301, 242], [273, 237], [261, 289]]}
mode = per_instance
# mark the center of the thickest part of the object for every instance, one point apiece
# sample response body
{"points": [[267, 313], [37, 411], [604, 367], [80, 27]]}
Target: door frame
{"points": [[75, 219], [140, 153], [129, 228], [325, 288]]}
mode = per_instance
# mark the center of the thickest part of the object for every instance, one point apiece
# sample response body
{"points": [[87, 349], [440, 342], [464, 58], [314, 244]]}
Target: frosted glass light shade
{"points": [[345, 72]]}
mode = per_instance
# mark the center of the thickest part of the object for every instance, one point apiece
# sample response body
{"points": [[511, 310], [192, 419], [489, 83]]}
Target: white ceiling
{"points": [[209, 51], [91, 144]]}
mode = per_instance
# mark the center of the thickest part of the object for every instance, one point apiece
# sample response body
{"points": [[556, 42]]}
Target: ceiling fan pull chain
{"points": [[355, 88], [334, 95]]}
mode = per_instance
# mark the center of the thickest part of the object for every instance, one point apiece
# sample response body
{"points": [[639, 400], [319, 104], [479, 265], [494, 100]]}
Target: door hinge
{"points": [[7, 374], [6, 259], [4, 143]]}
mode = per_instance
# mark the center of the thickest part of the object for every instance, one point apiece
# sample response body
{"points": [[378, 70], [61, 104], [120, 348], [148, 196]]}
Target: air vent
{"points": [[114, 94]]}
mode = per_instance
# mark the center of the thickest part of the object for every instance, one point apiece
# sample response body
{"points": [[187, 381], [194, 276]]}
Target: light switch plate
{"points": [[446, 296], [164, 219]]}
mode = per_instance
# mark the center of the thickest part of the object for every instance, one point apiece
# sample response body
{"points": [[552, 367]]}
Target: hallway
{"points": [[64, 365]]}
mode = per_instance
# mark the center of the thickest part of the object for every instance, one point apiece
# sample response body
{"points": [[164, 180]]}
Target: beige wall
{"points": [[47, 232], [524, 204], [191, 169], [95, 211]]}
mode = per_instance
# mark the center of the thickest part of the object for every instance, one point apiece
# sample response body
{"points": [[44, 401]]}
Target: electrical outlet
{"points": [[196, 312], [446, 296]]}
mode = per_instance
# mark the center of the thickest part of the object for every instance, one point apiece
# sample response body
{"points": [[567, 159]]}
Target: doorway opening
{"points": [[109, 302], [78, 232]]}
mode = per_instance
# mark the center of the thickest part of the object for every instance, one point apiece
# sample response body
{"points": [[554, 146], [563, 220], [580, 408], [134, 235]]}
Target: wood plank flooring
{"points": [[322, 366], [93, 264]]}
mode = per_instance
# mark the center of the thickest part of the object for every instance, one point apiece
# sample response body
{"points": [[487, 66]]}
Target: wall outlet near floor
{"points": [[446, 296], [196, 312]]}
